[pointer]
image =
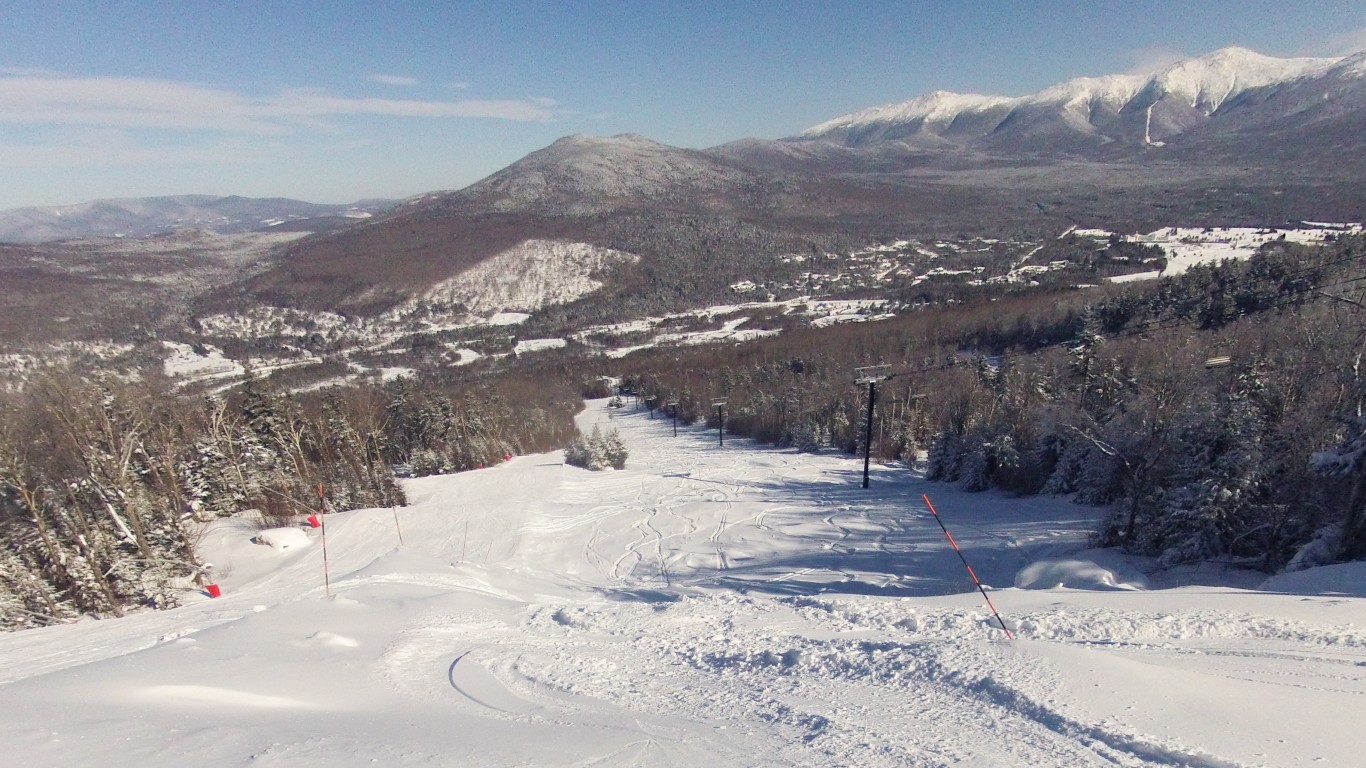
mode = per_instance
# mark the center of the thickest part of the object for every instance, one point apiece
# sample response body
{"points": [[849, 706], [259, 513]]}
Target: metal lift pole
{"points": [[868, 432], [870, 375]]}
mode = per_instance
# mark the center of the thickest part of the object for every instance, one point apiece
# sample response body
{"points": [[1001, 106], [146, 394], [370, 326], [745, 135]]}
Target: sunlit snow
{"points": [[1186, 247], [706, 606], [529, 276]]}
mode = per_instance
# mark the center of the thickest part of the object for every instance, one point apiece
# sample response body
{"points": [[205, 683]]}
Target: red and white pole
{"points": [[971, 572]]}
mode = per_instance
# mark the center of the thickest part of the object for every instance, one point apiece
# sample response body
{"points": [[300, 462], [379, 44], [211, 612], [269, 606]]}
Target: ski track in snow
{"points": [[730, 606]]}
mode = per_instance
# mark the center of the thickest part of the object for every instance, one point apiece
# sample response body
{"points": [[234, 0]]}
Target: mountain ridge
{"points": [[1277, 138], [143, 216], [1274, 149], [1136, 110]]}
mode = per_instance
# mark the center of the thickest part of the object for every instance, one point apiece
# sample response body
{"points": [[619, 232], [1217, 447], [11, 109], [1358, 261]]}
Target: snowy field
{"points": [[707, 606], [1185, 247]]}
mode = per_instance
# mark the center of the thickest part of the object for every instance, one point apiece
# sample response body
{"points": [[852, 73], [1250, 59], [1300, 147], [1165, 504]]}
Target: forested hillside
{"points": [[1218, 413], [105, 483]]}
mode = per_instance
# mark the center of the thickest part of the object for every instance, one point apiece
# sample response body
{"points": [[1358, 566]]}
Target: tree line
{"points": [[106, 483], [1218, 413], [1105, 395]]}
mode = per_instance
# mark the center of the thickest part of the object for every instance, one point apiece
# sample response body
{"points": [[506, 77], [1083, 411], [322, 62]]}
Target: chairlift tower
{"points": [[870, 375], [650, 405], [720, 406]]}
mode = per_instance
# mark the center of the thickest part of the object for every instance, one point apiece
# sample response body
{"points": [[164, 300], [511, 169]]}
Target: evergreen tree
{"points": [[614, 450]]}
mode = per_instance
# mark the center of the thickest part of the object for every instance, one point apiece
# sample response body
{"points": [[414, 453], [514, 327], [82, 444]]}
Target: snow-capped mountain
{"points": [[1208, 81], [1230, 138], [1280, 139], [1307, 108], [1132, 110]]}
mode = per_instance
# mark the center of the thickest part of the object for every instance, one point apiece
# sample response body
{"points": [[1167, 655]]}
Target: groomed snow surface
{"points": [[707, 606]]}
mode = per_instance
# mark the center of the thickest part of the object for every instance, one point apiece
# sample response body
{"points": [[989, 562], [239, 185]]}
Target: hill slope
{"points": [[698, 221], [726, 607], [1230, 138]]}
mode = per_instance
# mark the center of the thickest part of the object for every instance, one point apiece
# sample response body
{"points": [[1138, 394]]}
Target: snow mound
{"points": [[217, 697], [1347, 579], [331, 640], [281, 539], [1078, 573]]}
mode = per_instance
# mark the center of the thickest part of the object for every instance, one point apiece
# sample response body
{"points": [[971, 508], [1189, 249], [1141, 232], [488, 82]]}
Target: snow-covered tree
{"points": [[614, 450], [1348, 461], [597, 451]]}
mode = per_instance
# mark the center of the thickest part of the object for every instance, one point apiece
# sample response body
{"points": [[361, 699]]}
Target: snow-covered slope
{"points": [[1105, 108], [527, 277], [732, 606], [1207, 82]]}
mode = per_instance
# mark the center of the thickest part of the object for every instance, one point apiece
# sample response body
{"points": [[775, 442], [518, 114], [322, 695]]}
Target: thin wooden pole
{"points": [[322, 523]]}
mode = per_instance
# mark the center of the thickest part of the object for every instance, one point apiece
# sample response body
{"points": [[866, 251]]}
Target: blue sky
{"points": [[336, 101]]}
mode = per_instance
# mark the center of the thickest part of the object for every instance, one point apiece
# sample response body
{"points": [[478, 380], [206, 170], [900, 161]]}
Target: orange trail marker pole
{"points": [[971, 572], [322, 518]]}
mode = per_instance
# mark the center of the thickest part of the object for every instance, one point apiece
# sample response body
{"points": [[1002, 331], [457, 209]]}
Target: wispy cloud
{"points": [[1353, 41], [1151, 60], [459, 85], [128, 102], [394, 80]]}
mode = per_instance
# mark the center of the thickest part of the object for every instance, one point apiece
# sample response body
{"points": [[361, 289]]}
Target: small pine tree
{"points": [[597, 451], [580, 453], [614, 450]]}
